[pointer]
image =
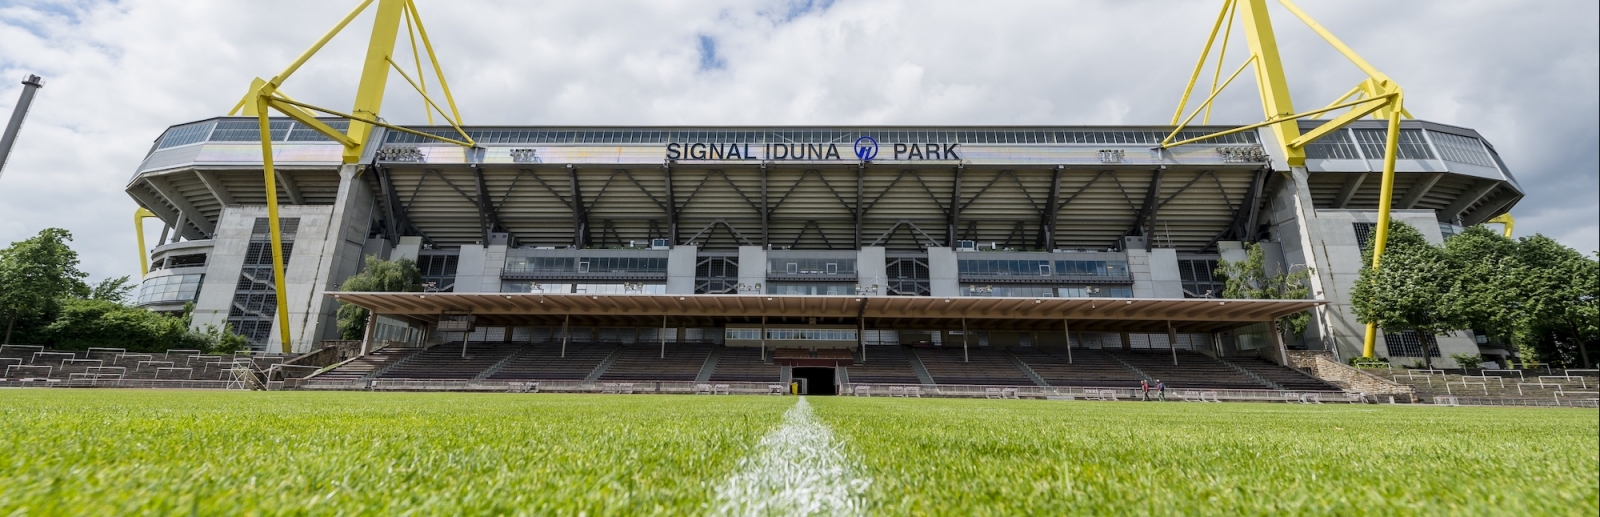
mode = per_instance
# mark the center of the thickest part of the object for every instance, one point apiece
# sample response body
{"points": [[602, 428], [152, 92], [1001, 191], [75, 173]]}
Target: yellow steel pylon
{"points": [[1377, 96], [264, 95]]}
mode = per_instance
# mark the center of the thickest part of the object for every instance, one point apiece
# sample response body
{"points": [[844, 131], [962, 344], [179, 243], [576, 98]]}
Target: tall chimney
{"points": [[32, 84]]}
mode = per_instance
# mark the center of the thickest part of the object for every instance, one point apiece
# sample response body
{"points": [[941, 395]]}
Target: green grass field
{"points": [[103, 452]]}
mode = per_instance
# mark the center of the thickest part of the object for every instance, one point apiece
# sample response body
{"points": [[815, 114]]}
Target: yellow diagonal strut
{"points": [[1377, 96], [363, 117]]}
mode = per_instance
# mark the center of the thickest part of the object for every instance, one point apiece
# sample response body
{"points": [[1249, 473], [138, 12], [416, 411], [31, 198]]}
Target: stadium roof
{"points": [[642, 310]]}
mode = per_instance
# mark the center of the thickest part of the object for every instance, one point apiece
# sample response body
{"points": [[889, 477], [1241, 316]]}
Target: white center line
{"points": [[797, 469]]}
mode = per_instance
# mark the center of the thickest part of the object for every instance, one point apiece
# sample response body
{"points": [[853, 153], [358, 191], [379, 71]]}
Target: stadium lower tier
{"points": [[948, 365]]}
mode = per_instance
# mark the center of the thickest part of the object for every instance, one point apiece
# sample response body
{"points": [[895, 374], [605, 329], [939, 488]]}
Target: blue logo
{"points": [[866, 148]]}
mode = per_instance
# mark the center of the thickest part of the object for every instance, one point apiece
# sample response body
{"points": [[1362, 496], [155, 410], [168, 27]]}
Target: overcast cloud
{"points": [[1524, 74]]}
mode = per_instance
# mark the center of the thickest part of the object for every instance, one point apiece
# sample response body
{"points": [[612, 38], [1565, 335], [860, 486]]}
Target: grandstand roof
{"points": [[643, 310]]}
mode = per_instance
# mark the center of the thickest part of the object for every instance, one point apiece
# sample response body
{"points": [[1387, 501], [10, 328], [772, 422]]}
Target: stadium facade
{"points": [[801, 215]]}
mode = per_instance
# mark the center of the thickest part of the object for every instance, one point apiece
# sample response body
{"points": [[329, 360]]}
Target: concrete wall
{"points": [[407, 248], [229, 244], [752, 266], [871, 270], [1336, 235], [681, 262], [944, 275], [1164, 279], [478, 270]]}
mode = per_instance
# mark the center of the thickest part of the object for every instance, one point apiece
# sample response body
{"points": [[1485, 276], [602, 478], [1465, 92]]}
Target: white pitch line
{"points": [[796, 470]]}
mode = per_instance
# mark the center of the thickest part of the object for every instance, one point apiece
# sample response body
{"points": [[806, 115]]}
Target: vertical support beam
{"points": [[1066, 328], [766, 210], [861, 178], [182, 222], [1274, 85], [374, 75], [663, 336], [763, 339], [955, 207], [270, 183], [1172, 341], [965, 357], [488, 217], [372, 329], [1385, 196], [565, 334], [672, 205], [1145, 223], [1277, 340], [580, 215], [1047, 220]]}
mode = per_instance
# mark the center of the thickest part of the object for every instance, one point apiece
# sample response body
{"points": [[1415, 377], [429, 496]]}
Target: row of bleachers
{"points": [[682, 362], [1084, 367], [1288, 378], [1192, 370], [884, 364], [745, 365], [544, 361], [950, 365], [364, 366], [444, 362]]}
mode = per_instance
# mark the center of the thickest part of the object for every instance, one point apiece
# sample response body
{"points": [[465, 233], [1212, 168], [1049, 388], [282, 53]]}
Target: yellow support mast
{"points": [[264, 95], [1377, 96]]}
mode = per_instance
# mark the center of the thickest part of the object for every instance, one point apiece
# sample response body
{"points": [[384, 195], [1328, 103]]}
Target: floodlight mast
{"points": [[20, 112], [264, 95], [1377, 95]]}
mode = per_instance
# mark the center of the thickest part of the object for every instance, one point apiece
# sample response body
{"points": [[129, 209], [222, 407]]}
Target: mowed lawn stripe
{"points": [[796, 470], [982, 457], [107, 452]]}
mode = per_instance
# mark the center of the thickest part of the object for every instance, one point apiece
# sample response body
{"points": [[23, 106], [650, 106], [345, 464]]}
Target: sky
{"points": [[1526, 75]]}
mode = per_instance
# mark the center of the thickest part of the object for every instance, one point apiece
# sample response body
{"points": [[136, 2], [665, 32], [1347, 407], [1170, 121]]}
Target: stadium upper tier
{"points": [[1038, 187]]}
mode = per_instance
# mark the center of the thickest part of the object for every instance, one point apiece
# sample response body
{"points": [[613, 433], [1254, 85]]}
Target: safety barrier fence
{"points": [[541, 386], [1092, 393], [176, 384]]}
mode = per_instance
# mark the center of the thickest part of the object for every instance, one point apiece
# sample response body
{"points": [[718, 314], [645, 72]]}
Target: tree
{"points": [[376, 276], [1561, 292], [1485, 291], [1248, 279], [112, 290], [1409, 290], [36, 274]]}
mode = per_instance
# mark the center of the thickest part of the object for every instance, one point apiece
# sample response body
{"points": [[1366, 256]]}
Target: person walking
{"points": [[1145, 387], [1161, 390]]}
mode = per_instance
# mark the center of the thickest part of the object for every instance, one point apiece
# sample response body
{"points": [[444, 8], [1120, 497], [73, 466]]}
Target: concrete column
{"points": [[871, 269], [408, 248], [944, 275], [469, 268], [752, 267], [681, 262], [1165, 281]]}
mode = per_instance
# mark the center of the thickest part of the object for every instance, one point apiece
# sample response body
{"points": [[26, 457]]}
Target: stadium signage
{"points": [[865, 149]]}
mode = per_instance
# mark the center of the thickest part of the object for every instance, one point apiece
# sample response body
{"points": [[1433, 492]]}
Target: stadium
{"points": [[991, 239], [886, 320]]}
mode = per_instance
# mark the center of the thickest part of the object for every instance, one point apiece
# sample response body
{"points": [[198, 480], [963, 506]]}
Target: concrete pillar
{"points": [[944, 274], [752, 267], [872, 269], [681, 262]]}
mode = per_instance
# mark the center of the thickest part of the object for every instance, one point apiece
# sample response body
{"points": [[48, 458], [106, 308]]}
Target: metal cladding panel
{"points": [[282, 154], [970, 154]]}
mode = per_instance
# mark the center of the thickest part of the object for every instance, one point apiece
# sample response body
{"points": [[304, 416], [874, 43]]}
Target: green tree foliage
{"points": [[1561, 289], [377, 276], [36, 274], [1483, 290], [1247, 279], [85, 323], [1533, 292], [112, 289], [1410, 290]]}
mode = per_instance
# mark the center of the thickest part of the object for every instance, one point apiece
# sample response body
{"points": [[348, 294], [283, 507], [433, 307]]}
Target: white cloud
{"points": [[118, 73]]}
